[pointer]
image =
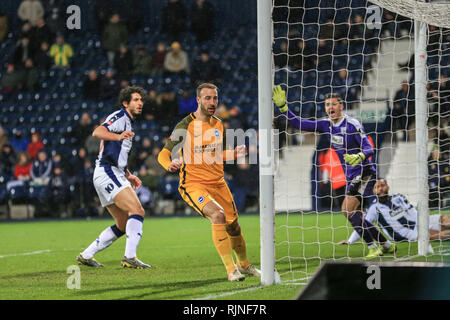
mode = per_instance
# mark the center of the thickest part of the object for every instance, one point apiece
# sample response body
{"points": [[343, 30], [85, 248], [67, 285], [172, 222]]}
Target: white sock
{"points": [[387, 244], [104, 240], [134, 234]]}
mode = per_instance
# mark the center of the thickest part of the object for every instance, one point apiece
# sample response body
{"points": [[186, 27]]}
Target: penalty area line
{"points": [[215, 296], [25, 253]]}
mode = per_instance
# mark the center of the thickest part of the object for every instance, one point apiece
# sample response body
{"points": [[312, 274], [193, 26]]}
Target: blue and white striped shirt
{"points": [[397, 218], [115, 153]]}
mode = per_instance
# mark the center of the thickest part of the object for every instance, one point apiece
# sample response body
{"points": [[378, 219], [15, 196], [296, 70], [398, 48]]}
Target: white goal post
{"points": [[423, 14]]}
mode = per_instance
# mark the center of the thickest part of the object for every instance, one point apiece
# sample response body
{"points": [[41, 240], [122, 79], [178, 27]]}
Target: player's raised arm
{"points": [[279, 98], [102, 133]]}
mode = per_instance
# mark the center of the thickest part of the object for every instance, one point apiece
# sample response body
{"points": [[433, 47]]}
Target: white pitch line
{"points": [[25, 253], [212, 296]]}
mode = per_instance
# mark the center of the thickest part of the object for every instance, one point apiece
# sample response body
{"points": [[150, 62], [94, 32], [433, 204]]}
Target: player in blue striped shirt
{"points": [[397, 217], [114, 183], [348, 139]]}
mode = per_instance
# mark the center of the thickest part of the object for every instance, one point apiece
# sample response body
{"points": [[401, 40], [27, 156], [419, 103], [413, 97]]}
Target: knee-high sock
{"points": [[223, 245], [104, 240], [239, 247], [134, 234], [375, 232], [357, 223]]}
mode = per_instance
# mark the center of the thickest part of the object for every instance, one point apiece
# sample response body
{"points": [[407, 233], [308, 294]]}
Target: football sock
{"points": [[104, 240], [134, 234], [376, 234], [223, 245], [238, 245], [357, 223]]}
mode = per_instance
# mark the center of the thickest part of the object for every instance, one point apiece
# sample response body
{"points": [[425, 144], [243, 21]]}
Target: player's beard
{"points": [[207, 111]]}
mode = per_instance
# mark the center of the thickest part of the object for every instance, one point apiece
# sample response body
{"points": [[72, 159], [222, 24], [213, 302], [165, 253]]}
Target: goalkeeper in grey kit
{"points": [[347, 138]]}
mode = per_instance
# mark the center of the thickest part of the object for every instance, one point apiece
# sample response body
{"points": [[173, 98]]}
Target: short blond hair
{"points": [[205, 85]]}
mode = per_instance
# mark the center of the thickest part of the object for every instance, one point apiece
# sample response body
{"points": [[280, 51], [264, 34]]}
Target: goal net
{"points": [[366, 52]]}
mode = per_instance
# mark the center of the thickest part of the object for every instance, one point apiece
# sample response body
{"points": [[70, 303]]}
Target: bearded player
{"points": [[347, 138], [115, 185], [200, 139]]}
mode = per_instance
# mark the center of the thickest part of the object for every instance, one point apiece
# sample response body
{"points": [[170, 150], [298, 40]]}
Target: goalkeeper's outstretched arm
{"points": [[279, 98]]}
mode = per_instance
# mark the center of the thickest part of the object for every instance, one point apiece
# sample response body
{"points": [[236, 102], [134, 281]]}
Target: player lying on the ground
{"points": [[397, 217], [114, 183], [202, 184], [347, 138]]}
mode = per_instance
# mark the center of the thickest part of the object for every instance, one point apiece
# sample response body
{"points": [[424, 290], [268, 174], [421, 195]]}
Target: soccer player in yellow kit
{"points": [[202, 184]]}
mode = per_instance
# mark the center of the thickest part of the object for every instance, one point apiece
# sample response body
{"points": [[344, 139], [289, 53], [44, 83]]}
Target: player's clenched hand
{"points": [[342, 242], [136, 183], [279, 97], [354, 159], [240, 151], [126, 135], [175, 165]]}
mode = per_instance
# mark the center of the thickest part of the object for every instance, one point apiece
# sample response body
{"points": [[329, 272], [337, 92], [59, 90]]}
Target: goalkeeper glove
{"points": [[354, 159], [279, 97]]}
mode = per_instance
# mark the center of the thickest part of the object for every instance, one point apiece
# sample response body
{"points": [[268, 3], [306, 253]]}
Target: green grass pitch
{"points": [[35, 257]]}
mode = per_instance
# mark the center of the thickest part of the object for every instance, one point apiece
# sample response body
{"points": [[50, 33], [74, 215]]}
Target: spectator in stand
{"points": [[86, 186], [403, 102], [114, 34], [438, 179], [174, 18], [11, 79], [139, 154], [25, 31], [82, 130], [59, 162], [176, 61], [168, 107], [187, 103], [155, 169], [92, 145], [59, 191], [150, 105], [31, 11], [142, 61], [205, 69], [35, 146], [8, 160], [158, 59], [41, 169], [148, 178], [244, 184], [202, 20], [281, 55], [3, 138], [442, 140], [42, 59], [22, 170], [109, 86], [123, 62], [22, 53], [3, 26], [91, 86], [61, 52], [30, 76], [443, 88], [41, 33], [19, 141], [54, 13]]}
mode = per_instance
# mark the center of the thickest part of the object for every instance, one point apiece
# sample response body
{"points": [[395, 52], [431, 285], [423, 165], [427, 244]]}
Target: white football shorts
{"points": [[108, 182]]}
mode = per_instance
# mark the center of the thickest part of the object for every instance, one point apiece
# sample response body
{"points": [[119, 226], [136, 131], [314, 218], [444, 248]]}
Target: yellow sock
{"points": [[223, 246], [238, 245]]}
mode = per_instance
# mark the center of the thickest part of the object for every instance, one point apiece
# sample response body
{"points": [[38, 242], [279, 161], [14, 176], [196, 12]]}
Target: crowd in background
{"points": [[41, 46], [66, 179]]}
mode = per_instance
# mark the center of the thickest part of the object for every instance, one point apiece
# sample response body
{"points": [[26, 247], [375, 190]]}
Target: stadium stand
{"points": [[55, 107]]}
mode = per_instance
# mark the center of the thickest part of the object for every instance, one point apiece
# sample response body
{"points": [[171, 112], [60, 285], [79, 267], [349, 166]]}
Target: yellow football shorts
{"points": [[198, 195]]}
